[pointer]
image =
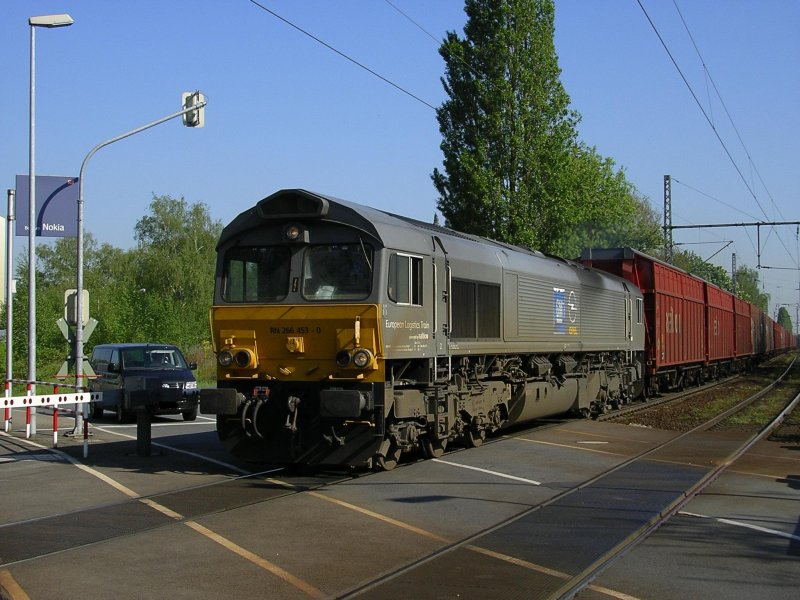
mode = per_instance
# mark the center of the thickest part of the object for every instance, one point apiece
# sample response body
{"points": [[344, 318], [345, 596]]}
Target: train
{"points": [[695, 331], [350, 336]]}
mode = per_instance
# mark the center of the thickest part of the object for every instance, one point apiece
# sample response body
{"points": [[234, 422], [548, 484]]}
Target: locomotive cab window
{"points": [[337, 272], [256, 274], [639, 311], [405, 279]]}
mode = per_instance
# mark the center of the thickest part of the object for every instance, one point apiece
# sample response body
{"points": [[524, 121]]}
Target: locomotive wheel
{"points": [[474, 438], [388, 462], [433, 447]]}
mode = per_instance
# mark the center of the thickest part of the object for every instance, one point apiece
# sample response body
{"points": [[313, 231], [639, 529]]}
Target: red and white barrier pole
{"points": [[7, 419], [28, 416]]}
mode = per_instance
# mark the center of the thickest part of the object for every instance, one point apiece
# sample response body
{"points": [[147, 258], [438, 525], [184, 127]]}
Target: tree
{"points": [[747, 288], [691, 262], [641, 229], [513, 167], [159, 291], [175, 262], [784, 319]]}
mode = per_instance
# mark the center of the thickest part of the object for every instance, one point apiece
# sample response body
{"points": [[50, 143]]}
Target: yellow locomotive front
{"points": [[296, 331]]}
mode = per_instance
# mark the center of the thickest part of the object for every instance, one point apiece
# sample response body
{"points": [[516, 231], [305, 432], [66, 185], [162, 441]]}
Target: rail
{"points": [[572, 584], [582, 580]]}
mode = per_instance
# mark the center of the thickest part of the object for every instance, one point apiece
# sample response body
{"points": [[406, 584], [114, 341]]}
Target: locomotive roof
{"points": [[387, 227], [403, 233]]}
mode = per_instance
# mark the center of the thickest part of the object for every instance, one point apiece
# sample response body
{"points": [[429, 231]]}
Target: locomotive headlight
{"points": [[343, 358], [225, 358], [362, 358], [293, 233], [243, 359]]}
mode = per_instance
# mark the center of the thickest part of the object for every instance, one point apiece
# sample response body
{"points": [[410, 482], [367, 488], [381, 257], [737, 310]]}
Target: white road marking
{"points": [[495, 473], [105, 429], [788, 536]]}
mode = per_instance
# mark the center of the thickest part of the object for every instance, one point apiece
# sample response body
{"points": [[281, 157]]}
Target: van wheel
{"points": [[97, 410], [190, 415]]}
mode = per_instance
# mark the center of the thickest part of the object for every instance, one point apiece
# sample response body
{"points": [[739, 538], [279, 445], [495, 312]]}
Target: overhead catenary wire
{"points": [[343, 55], [700, 106], [727, 112], [710, 122], [738, 135]]}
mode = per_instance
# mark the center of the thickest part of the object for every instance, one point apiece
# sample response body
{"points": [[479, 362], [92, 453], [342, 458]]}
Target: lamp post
{"points": [[49, 21]]}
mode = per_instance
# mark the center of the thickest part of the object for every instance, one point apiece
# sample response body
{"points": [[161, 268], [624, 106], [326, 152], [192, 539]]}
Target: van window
{"points": [[100, 359], [152, 358]]}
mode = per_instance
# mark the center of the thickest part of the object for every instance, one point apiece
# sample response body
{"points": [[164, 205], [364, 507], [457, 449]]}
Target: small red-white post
{"points": [[55, 418], [85, 438], [7, 419], [28, 416]]}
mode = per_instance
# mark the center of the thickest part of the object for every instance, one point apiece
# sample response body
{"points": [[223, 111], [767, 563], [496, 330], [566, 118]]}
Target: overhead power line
{"points": [[343, 55], [727, 112], [710, 123], [700, 106]]}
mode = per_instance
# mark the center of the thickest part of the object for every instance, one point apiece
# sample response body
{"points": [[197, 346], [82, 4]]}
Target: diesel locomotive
{"points": [[347, 335]]}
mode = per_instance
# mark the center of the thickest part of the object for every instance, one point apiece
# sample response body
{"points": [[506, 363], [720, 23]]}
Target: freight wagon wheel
{"points": [[474, 438], [433, 447]]}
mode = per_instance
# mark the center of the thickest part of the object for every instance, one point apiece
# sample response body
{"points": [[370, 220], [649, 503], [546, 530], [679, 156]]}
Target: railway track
{"points": [[584, 555], [664, 400], [568, 584]]}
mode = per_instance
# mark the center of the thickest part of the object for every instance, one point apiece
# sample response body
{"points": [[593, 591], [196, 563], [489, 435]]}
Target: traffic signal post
{"points": [[193, 108]]}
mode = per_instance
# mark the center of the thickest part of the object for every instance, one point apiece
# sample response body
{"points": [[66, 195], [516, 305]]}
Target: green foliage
{"points": [[747, 288], [641, 229], [691, 262], [513, 167], [785, 319], [159, 291]]}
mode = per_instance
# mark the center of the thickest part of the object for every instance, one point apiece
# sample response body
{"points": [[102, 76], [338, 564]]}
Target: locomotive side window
{"points": [[476, 310], [405, 279], [337, 272], [256, 274], [639, 311]]}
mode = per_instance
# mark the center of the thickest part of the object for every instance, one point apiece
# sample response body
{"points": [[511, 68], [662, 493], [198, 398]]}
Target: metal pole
{"points": [[10, 282], [32, 222], [79, 277], [670, 246]]}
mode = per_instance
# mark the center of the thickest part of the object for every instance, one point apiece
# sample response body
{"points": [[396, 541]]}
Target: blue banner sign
{"points": [[56, 206]]}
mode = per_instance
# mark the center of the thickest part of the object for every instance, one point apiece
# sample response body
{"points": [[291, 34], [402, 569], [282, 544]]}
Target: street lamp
{"points": [[49, 21]]}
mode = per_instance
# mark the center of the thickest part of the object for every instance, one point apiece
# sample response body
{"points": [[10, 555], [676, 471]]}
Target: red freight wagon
{"points": [[674, 303], [781, 337], [763, 341], [744, 329], [720, 326], [769, 335]]}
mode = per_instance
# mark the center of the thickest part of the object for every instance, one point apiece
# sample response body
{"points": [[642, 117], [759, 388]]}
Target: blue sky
{"points": [[286, 112]]}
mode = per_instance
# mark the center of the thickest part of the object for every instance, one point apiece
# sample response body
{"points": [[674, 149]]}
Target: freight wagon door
{"points": [[442, 312]]}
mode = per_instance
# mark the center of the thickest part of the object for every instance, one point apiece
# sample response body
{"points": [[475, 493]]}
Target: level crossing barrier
{"points": [[58, 400]]}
